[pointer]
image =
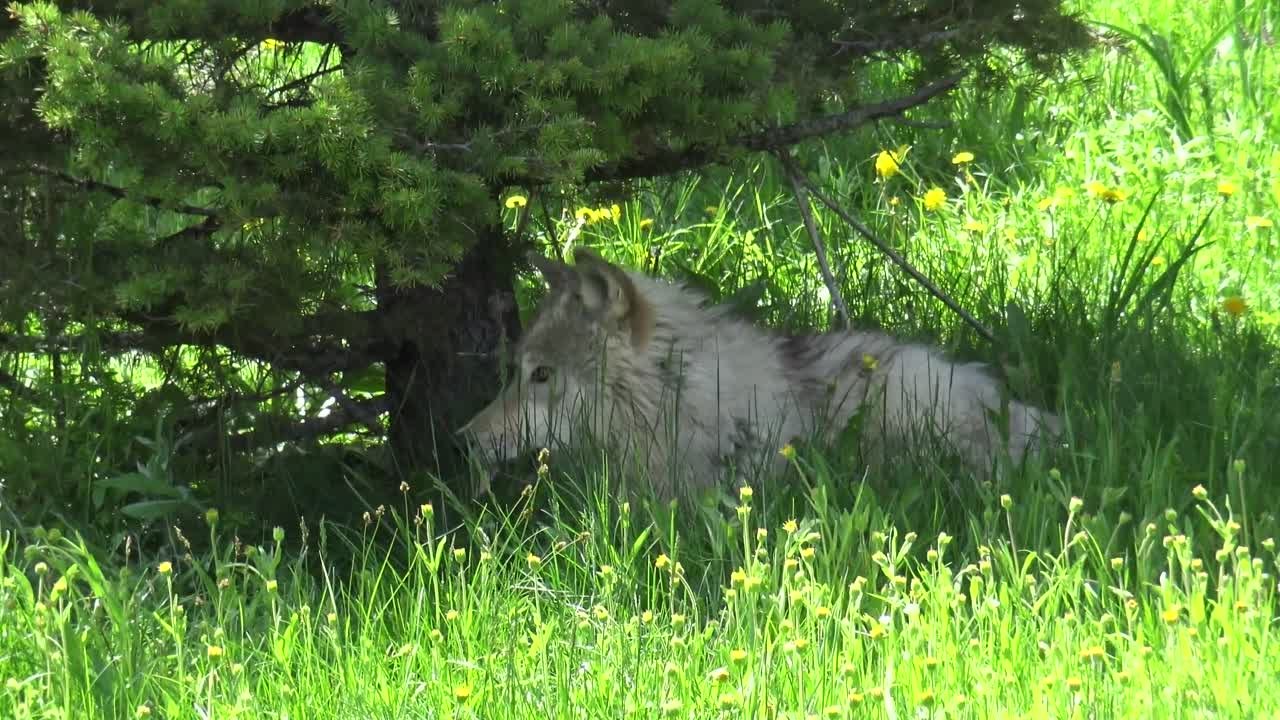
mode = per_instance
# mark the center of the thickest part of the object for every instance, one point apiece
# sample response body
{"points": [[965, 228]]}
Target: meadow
{"points": [[1115, 228]]}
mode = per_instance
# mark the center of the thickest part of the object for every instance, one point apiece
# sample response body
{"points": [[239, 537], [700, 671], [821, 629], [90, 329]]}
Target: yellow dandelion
{"points": [[1234, 305], [1046, 203], [677, 619], [975, 225], [752, 582], [962, 157], [451, 615], [1074, 682], [1257, 222], [271, 44], [1158, 261], [272, 586], [711, 210], [516, 201], [738, 577], [615, 211], [662, 561], [672, 708], [787, 451], [459, 554], [601, 612], [646, 223], [822, 611], [1171, 615], [142, 711], [895, 201], [584, 214], [606, 570], [533, 560], [719, 675], [214, 651], [869, 362], [729, 699], [426, 509], [807, 553], [832, 711], [164, 568], [888, 162], [790, 526], [738, 656], [1226, 188], [856, 698], [877, 631], [461, 692], [1091, 652], [935, 199], [926, 698], [1114, 195]]}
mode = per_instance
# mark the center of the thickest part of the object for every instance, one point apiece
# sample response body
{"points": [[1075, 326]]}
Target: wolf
{"points": [[654, 372]]}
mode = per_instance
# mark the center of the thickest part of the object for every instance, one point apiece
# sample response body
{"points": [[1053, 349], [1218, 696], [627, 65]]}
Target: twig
{"points": [[900, 261], [365, 415], [121, 193], [802, 200]]}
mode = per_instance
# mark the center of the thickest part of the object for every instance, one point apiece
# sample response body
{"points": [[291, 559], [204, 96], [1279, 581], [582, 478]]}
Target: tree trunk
{"points": [[445, 363]]}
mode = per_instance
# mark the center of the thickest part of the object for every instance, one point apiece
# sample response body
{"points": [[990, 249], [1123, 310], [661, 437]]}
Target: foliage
{"points": [[214, 205]]}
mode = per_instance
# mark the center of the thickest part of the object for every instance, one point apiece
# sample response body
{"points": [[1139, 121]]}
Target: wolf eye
{"points": [[540, 374]]}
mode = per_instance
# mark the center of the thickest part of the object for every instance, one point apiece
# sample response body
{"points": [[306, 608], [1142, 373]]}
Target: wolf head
{"points": [[593, 309]]}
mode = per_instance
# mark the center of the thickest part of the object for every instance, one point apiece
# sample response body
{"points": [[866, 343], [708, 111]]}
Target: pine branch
{"points": [[121, 193], [666, 162]]}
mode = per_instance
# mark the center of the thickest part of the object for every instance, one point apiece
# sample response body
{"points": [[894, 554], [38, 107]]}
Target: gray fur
{"points": [[652, 370]]}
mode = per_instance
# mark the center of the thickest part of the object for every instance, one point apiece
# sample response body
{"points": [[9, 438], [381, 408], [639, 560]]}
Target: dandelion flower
{"points": [[533, 560], [646, 223], [975, 225], [214, 651], [869, 362], [1257, 222], [1226, 188], [1074, 682], [888, 162], [1171, 615], [615, 211], [1157, 261], [790, 526], [719, 675], [787, 451], [711, 210], [462, 692], [165, 567], [516, 201], [662, 561], [962, 157], [934, 199], [584, 214], [738, 656]]}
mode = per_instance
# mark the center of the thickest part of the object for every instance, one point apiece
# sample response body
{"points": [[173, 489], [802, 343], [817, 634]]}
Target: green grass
{"points": [[1131, 574]]}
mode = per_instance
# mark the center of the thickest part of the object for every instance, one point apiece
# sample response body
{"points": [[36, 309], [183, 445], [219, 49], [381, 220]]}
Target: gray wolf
{"points": [[652, 371]]}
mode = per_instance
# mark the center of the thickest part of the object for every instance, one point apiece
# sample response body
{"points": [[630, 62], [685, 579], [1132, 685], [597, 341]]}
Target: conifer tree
{"points": [[316, 184]]}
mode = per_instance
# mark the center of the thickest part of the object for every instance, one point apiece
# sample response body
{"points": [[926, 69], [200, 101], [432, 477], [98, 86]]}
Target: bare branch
{"points": [[802, 201], [899, 260]]}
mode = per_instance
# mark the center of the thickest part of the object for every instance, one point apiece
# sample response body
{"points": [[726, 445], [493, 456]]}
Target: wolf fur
{"points": [[651, 370]]}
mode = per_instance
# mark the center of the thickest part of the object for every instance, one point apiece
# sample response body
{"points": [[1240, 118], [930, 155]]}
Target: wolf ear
{"points": [[609, 293], [556, 273]]}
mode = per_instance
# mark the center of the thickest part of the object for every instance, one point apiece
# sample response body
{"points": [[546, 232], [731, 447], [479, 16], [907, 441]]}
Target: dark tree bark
{"points": [[444, 364]]}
